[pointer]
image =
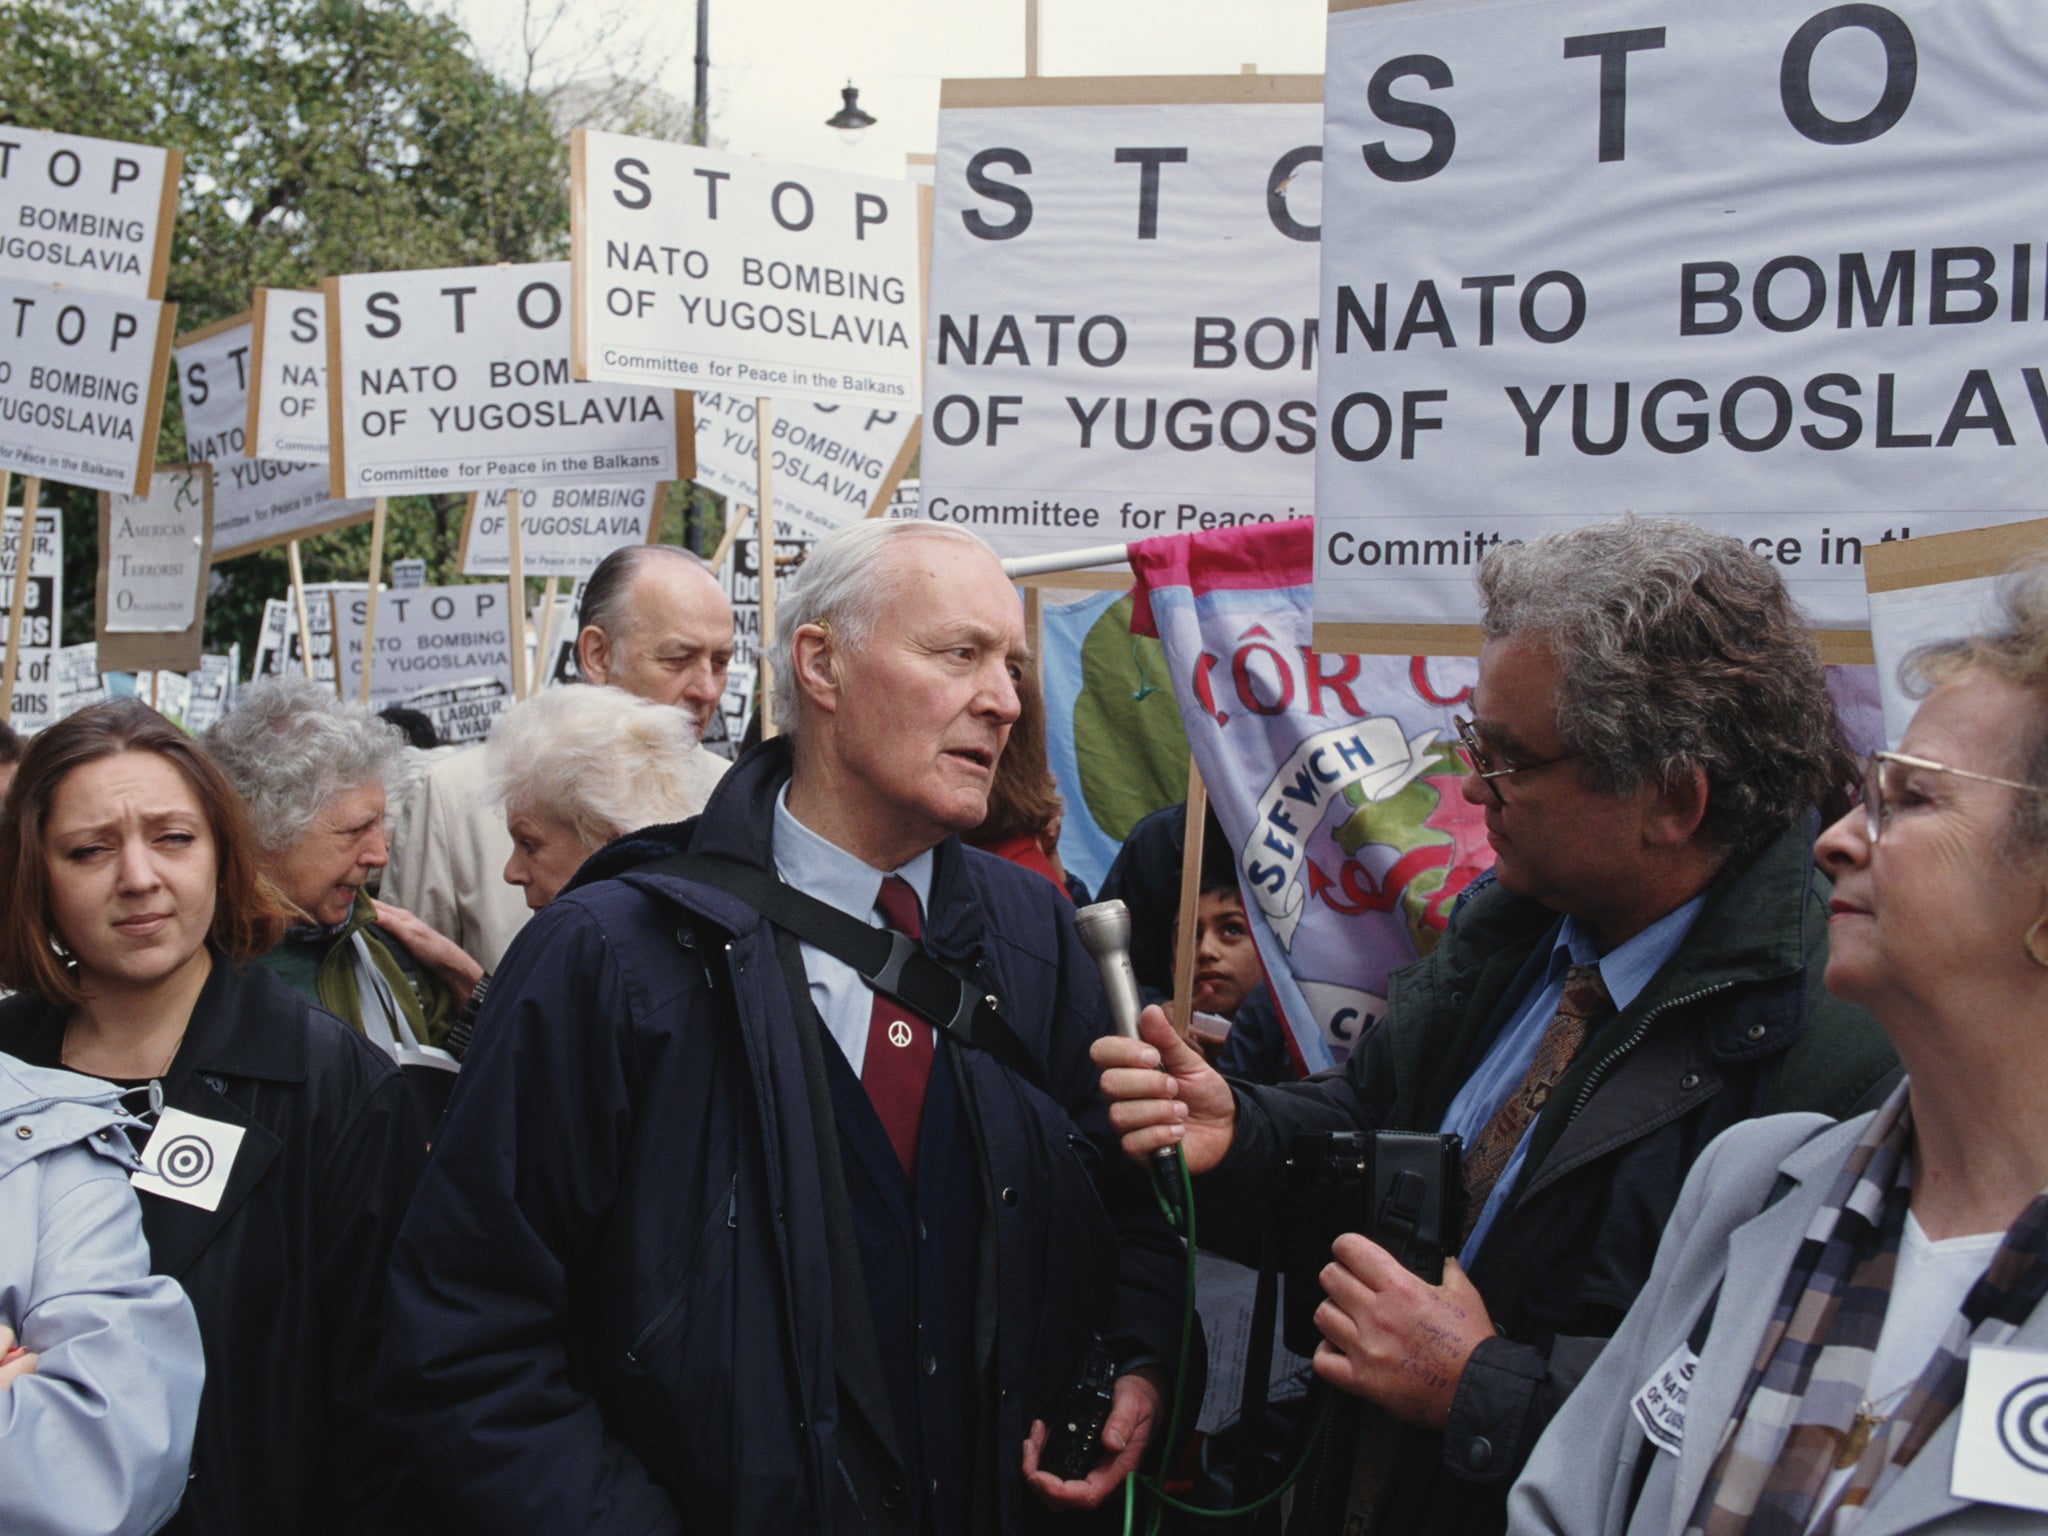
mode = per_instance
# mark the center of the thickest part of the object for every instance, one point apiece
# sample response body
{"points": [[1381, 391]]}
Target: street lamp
{"points": [[850, 120]]}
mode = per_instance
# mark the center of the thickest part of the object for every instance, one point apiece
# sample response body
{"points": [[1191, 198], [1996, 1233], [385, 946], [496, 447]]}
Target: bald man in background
{"points": [[656, 623]]}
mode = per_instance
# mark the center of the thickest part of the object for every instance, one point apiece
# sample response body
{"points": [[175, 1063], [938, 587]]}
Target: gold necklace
{"points": [[1863, 1426], [64, 1055]]}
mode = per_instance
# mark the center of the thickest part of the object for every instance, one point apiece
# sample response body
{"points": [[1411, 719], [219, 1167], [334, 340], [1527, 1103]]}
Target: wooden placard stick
{"points": [[17, 605], [298, 574], [542, 647], [1190, 901], [735, 514], [1034, 625], [764, 529], [515, 592], [370, 598]]}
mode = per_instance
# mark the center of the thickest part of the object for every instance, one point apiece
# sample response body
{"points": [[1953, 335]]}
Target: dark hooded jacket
{"points": [[613, 1305]]}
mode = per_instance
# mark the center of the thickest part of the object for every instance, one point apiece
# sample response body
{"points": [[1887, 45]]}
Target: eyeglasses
{"points": [[1873, 784], [1479, 762]]}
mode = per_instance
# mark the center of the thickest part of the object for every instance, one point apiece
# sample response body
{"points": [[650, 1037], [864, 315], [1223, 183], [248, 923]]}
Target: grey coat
{"points": [[97, 1440], [1579, 1478]]}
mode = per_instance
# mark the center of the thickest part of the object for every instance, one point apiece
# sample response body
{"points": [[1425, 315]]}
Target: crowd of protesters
{"points": [[582, 1133]]}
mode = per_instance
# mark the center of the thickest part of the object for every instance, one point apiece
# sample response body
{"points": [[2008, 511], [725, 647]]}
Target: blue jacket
{"points": [[98, 1439], [611, 1306]]}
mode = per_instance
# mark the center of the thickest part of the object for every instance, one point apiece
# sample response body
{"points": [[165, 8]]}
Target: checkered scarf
{"points": [[1806, 1386]]}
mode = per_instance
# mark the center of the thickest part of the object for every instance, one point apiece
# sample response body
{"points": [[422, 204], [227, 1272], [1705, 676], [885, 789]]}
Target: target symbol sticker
{"points": [[185, 1162], [188, 1159], [2023, 1424]]}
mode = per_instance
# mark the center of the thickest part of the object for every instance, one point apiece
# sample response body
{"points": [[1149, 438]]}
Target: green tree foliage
{"points": [[319, 137]]}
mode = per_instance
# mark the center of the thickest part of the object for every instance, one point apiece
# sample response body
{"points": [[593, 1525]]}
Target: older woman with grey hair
{"points": [[579, 766], [1846, 1325], [314, 773]]}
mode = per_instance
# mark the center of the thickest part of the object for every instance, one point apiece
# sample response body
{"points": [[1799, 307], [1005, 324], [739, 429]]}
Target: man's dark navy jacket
{"points": [[612, 1304]]}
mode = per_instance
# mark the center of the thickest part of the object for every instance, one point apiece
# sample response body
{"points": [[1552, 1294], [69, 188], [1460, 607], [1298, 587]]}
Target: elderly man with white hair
{"points": [[720, 1234]]}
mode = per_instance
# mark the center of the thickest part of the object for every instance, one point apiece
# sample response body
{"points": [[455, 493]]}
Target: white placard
{"points": [[462, 712], [827, 462], [277, 643], [168, 693], [87, 213], [428, 638], [211, 690], [77, 680], [288, 384], [81, 383], [701, 269], [406, 575], [156, 556], [256, 501], [564, 530], [741, 578], [36, 699], [458, 378], [1777, 271], [1906, 618], [1123, 338]]}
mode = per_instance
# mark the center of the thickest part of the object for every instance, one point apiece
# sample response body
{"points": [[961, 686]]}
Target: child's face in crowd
{"points": [[1226, 959]]}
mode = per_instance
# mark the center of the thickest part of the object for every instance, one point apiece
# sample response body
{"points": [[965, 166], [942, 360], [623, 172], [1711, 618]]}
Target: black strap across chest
{"points": [[889, 962]]}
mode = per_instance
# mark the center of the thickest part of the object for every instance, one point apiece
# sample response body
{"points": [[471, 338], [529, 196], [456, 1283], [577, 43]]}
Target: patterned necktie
{"points": [[898, 1063], [1584, 999]]}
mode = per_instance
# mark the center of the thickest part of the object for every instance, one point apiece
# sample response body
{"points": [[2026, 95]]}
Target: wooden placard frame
{"points": [[257, 312], [153, 421], [1849, 647], [1967, 554], [1132, 91], [177, 651]]}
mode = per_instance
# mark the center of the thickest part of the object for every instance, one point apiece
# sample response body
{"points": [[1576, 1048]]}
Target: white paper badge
{"points": [[188, 1158], [2002, 1445], [1660, 1406]]}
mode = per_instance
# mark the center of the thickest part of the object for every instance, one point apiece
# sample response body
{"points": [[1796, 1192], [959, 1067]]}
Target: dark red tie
{"points": [[899, 1057]]}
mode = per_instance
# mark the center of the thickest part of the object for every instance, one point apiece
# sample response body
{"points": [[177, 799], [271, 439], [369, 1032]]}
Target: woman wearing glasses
{"points": [[1844, 1330]]}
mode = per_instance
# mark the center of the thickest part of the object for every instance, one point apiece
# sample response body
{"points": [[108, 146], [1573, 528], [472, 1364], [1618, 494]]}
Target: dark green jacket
{"points": [[325, 971], [1735, 1025]]}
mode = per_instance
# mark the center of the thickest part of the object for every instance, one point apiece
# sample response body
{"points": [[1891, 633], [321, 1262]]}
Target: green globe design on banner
{"points": [[1128, 739]]}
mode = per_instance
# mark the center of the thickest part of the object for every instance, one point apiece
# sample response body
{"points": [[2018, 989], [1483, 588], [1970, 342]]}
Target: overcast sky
{"points": [[777, 65]]}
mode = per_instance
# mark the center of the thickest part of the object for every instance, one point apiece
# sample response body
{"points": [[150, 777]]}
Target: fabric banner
{"points": [[1335, 778], [1112, 731]]}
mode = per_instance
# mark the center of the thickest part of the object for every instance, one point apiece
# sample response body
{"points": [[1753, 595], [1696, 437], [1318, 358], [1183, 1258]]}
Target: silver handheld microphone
{"points": [[1105, 930]]}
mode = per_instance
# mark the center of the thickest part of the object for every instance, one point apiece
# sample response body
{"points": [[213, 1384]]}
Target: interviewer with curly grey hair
{"points": [[579, 766], [314, 773], [1648, 736]]}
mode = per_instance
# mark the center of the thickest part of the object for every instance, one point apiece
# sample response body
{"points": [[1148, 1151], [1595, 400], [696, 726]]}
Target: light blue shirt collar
{"points": [[823, 869], [1628, 967]]}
